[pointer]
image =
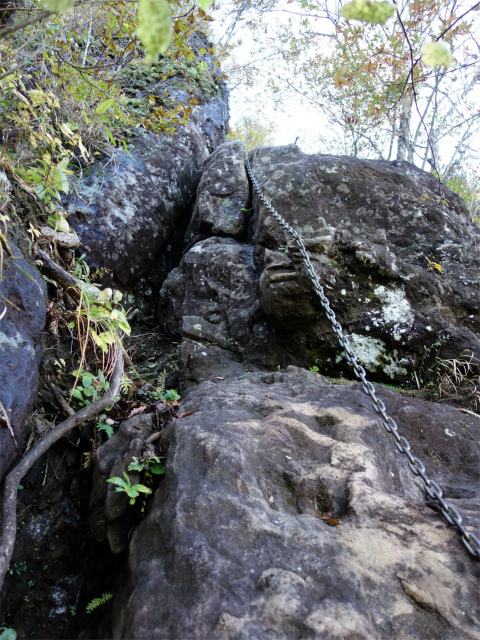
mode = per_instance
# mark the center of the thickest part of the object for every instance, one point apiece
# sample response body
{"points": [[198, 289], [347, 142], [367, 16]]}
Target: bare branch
{"points": [[18, 26]]}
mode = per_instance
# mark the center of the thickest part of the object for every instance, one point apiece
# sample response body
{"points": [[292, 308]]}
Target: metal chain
{"points": [[416, 466]]}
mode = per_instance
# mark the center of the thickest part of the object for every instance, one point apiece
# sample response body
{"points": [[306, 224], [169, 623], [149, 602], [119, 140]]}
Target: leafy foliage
{"points": [[124, 485], [150, 464], [154, 26], [97, 602], [8, 634], [65, 98], [253, 131], [436, 54], [368, 11]]}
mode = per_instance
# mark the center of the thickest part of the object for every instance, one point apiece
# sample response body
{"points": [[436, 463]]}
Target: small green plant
{"points": [[91, 387], [314, 369], [97, 602], [151, 465], [8, 634], [104, 426], [19, 568], [171, 395], [132, 491]]}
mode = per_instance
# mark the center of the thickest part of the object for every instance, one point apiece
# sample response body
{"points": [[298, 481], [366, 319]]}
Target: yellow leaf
{"points": [[154, 26], [64, 128], [368, 11], [99, 341], [436, 54], [108, 337], [37, 97]]}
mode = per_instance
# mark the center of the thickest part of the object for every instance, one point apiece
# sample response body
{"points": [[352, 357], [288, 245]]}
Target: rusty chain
{"points": [[416, 466]]}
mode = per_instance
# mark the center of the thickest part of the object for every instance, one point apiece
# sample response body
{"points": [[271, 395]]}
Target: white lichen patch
{"points": [[372, 354], [396, 311], [16, 342]]}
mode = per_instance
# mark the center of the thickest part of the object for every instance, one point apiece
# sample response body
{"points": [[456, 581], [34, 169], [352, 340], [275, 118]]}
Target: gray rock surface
{"points": [[129, 216], [223, 195], [397, 255], [132, 211], [233, 546], [374, 229], [215, 281], [22, 296]]}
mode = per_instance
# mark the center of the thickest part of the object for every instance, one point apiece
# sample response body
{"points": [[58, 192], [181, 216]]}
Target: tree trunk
{"points": [[403, 137]]}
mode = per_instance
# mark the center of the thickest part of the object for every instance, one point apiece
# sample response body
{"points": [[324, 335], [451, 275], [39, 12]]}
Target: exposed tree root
{"points": [[9, 512], [55, 272]]}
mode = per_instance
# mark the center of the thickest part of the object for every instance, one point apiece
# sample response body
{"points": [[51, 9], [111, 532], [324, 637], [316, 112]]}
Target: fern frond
{"points": [[96, 602]]}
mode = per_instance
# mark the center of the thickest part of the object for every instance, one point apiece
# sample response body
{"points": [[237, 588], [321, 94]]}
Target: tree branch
{"points": [[9, 512], [18, 26]]}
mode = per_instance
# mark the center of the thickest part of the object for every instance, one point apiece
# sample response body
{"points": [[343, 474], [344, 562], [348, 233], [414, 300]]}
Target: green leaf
{"points": [[60, 5], [104, 106], [158, 469], [59, 223], [155, 26], [142, 488], [112, 139], [118, 481], [125, 147], [107, 428], [205, 4], [368, 11], [136, 465], [436, 54], [76, 393], [8, 634]]}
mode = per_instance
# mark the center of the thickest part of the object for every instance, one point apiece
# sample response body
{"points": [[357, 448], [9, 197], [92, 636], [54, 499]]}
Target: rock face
{"points": [[22, 297], [131, 214], [287, 513], [223, 195], [397, 256]]}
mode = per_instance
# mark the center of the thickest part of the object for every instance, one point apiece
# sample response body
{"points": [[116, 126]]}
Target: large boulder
{"points": [[129, 217], [131, 212], [22, 311], [287, 513], [396, 252]]}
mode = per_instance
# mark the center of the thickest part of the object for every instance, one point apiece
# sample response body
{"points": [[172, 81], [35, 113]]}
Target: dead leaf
{"points": [[327, 517], [137, 410], [184, 415]]}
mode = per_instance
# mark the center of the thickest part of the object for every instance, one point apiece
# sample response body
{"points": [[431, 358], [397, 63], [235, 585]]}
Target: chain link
{"points": [[416, 466]]}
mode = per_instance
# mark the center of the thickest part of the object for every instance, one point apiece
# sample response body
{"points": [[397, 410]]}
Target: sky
{"points": [[294, 119]]}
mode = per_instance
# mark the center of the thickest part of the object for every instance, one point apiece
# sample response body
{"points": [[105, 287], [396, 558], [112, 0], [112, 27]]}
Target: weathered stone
{"points": [[22, 298], [223, 195], [237, 542], [214, 281], [129, 218], [395, 251], [110, 514]]}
